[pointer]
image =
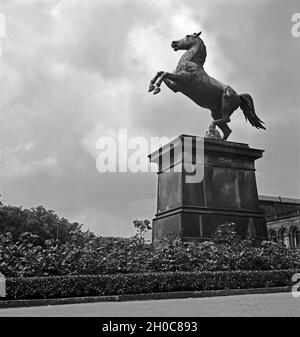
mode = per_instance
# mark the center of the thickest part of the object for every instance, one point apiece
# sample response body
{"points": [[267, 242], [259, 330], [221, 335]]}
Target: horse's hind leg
{"points": [[154, 79], [222, 124], [225, 129], [225, 113], [230, 102], [216, 114]]}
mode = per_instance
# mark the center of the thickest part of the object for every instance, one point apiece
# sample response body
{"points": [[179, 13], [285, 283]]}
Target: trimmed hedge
{"points": [[98, 285]]}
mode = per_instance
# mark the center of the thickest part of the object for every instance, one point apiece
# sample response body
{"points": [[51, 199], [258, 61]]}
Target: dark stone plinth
{"points": [[227, 191]]}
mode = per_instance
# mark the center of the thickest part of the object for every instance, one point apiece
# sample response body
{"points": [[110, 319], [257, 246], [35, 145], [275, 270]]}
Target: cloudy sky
{"points": [[73, 71]]}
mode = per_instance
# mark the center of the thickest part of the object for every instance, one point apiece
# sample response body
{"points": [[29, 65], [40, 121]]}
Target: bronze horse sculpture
{"points": [[191, 79]]}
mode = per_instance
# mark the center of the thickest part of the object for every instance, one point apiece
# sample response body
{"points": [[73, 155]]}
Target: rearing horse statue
{"points": [[191, 79]]}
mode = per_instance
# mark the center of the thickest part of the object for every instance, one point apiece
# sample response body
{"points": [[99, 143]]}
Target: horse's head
{"points": [[185, 43]]}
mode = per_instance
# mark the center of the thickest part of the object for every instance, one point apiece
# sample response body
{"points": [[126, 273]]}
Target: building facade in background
{"points": [[283, 219]]}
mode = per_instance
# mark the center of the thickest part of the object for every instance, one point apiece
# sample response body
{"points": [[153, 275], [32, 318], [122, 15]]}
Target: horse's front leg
{"points": [[175, 78], [154, 79], [172, 85]]}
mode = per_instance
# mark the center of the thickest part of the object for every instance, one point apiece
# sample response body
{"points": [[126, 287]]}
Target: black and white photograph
{"points": [[149, 162]]}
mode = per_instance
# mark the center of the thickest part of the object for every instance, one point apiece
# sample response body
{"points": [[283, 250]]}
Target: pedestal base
{"points": [[227, 191]]}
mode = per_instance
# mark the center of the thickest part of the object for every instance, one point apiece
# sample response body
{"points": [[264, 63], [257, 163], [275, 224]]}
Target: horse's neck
{"points": [[191, 55]]}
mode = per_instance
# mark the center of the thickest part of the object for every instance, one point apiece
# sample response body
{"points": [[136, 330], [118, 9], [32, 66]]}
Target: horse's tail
{"points": [[247, 106]]}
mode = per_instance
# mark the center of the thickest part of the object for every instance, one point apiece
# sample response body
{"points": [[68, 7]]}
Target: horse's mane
{"points": [[201, 52]]}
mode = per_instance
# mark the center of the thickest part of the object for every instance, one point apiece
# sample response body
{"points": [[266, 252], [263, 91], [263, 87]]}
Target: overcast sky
{"points": [[75, 70]]}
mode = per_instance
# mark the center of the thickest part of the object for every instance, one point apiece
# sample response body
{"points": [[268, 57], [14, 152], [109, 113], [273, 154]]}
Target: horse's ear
{"points": [[198, 34]]}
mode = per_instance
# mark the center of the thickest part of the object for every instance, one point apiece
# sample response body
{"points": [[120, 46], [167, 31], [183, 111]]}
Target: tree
{"points": [[39, 221]]}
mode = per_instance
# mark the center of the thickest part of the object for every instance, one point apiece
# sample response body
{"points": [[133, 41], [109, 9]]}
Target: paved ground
{"points": [[280, 304]]}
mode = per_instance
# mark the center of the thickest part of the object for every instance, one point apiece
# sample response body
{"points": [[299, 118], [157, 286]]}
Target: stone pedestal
{"points": [[192, 205]]}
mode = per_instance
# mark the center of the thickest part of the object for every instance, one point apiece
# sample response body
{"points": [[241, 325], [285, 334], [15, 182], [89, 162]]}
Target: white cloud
{"points": [[24, 146], [15, 166]]}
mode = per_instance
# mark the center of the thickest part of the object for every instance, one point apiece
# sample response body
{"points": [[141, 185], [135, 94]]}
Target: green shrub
{"points": [[92, 285], [26, 258], [227, 233]]}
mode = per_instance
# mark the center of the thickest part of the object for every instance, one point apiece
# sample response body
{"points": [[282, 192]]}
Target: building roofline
{"points": [[283, 216], [279, 199]]}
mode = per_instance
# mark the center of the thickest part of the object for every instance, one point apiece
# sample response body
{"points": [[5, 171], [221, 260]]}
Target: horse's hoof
{"points": [[151, 87], [156, 91]]}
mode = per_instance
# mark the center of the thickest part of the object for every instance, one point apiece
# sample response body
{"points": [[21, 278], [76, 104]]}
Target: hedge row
{"points": [[97, 285]]}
